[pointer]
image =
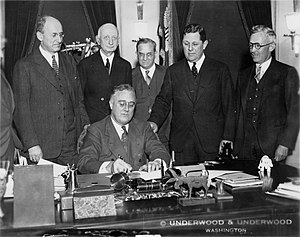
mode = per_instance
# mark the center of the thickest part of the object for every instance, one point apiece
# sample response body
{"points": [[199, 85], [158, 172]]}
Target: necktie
{"points": [[124, 138], [54, 65], [147, 78], [107, 65], [194, 70], [257, 75]]}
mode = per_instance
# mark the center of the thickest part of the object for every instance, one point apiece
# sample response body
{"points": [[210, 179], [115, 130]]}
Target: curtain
{"points": [[98, 13], [173, 18], [255, 13], [20, 20]]}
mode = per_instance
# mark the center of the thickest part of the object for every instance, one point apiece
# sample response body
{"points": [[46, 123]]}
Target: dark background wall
{"points": [[71, 15], [221, 19], [225, 32]]}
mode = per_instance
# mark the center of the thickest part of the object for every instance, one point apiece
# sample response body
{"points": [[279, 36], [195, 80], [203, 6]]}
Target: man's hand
{"points": [[281, 153], [120, 166], [151, 166], [35, 153], [222, 145], [81, 137], [153, 126]]}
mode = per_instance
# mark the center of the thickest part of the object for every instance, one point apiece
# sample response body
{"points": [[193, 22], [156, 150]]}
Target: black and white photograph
{"points": [[150, 118]]}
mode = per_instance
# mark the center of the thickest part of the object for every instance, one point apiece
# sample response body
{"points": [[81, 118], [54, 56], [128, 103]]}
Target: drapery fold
{"points": [[20, 20], [173, 18], [255, 13], [98, 13]]}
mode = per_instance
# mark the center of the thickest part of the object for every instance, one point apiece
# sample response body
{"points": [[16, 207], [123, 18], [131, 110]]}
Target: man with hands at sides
{"points": [[199, 92], [119, 142], [50, 113]]}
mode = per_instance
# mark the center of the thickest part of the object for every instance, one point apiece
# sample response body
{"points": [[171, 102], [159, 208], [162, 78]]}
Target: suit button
{"points": [[102, 99]]}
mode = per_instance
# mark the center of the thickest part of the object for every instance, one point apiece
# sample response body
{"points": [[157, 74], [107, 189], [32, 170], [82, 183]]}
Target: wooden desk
{"points": [[251, 213]]}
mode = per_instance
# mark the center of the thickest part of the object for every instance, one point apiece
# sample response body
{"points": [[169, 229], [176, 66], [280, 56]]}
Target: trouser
{"points": [[251, 149], [192, 151]]}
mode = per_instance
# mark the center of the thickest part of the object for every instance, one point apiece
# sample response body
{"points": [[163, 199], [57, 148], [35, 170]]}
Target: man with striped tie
{"points": [[147, 79], [268, 102], [50, 113], [119, 142]]}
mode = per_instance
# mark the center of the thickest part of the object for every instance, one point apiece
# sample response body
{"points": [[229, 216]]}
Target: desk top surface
{"points": [[250, 213]]}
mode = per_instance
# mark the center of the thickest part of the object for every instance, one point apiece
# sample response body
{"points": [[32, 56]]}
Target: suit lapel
{"points": [[157, 76], [204, 77], [10, 103], [43, 67], [114, 142], [270, 78], [185, 76], [244, 87]]}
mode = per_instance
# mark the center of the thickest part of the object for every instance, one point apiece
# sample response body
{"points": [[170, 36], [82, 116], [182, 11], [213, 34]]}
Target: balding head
{"points": [[50, 33], [108, 38]]}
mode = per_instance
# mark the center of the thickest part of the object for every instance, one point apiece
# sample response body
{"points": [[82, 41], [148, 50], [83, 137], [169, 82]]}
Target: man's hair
{"points": [[193, 28], [271, 35], [41, 23], [146, 41], [122, 87]]}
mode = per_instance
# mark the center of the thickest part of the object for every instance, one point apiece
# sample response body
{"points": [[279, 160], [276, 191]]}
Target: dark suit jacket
{"points": [[278, 117], [97, 84], [8, 136], [211, 114], [102, 143], [39, 111], [145, 97]]}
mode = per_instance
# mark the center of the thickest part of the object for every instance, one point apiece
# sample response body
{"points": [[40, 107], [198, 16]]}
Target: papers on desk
{"points": [[240, 179], [59, 183], [148, 175], [287, 190], [57, 169]]}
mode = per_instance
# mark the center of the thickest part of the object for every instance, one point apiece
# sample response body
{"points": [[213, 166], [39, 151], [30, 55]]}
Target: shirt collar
{"points": [[118, 127], [265, 65], [198, 63], [151, 71], [48, 56], [104, 57]]}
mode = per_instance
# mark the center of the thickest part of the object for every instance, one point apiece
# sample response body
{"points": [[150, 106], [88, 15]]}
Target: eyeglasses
{"points": [[257, 45]]}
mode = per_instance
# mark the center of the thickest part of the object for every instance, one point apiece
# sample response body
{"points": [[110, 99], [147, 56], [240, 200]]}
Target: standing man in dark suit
{"points": [[50, 113], [100, 72], [119, 142], [147, 80], [200, 92], [268, 102], [8, 136]]}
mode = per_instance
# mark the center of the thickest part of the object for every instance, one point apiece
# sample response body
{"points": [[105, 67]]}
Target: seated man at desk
{"points": [[119, 142]]}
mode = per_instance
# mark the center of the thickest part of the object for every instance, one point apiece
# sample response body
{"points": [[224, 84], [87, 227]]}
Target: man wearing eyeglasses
{"points": [[50, 113], [147, 79], [103, 70], [268, 102], [119, 142]]}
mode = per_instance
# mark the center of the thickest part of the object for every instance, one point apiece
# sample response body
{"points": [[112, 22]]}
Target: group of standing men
{"points": [[192, 104]]}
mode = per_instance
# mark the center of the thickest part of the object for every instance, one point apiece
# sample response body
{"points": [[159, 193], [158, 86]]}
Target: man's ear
{"points": [[110, 104], [40, 36], [98, 39], [272, 47], [205, 43]]}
